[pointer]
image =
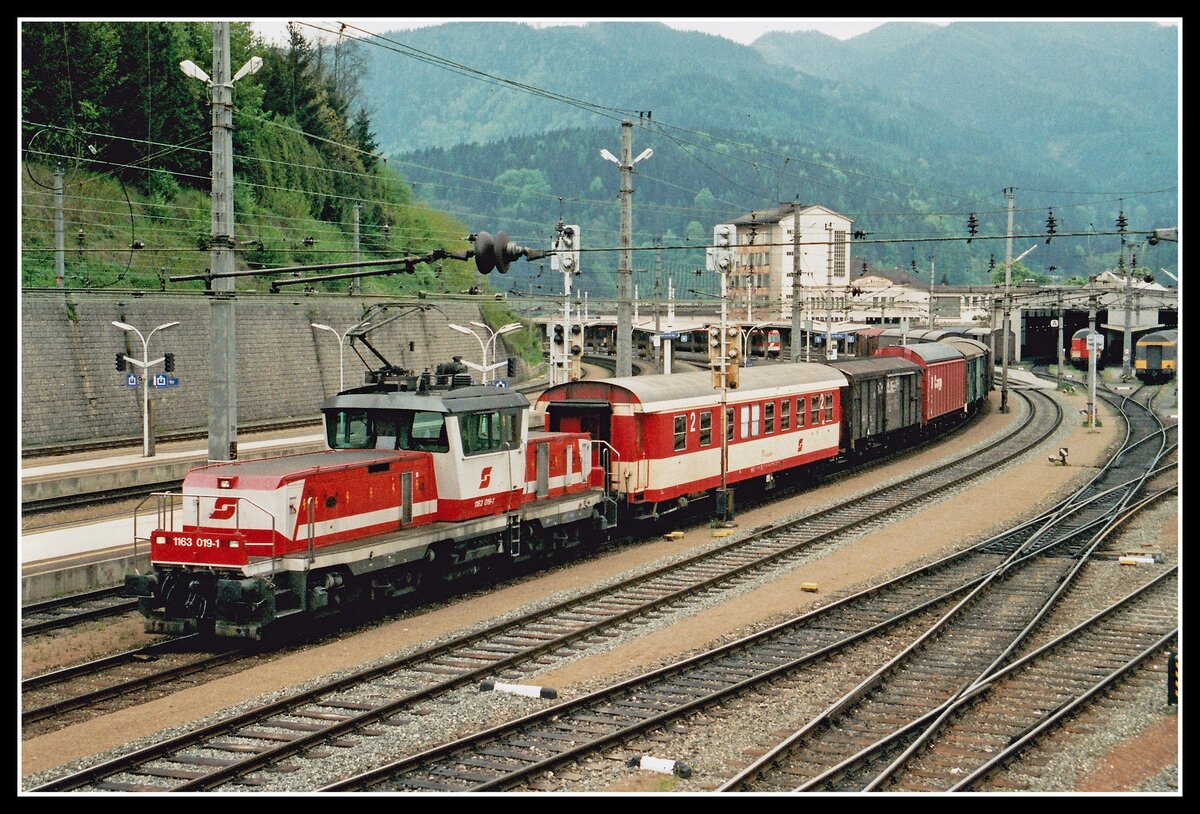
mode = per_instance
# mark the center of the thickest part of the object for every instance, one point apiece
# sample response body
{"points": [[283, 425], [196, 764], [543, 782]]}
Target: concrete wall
{"points": [[71, 390]]}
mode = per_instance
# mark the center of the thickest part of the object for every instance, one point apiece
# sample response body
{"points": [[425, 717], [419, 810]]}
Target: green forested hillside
{"points": [[107, 104], [906, 129]]}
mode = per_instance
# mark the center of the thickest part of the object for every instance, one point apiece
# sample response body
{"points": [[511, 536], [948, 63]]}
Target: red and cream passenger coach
{"points": [[664, 433]]}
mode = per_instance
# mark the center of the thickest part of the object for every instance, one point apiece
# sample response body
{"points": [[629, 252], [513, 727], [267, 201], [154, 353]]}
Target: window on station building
{"points": [[769, 417], [680, 432], [785, 415], [705, 429]]}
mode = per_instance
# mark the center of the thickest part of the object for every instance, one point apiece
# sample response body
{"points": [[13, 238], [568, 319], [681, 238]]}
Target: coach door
{"points": [[591, 417]]}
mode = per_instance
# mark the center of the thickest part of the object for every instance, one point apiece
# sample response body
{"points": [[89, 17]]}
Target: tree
{"points": [[1020, 273], [360, 132]]}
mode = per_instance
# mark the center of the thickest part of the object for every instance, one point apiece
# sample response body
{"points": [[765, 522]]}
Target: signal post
{"points": [[724, 356]]}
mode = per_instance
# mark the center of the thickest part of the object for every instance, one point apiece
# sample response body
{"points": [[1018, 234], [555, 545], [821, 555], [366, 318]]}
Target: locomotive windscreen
{"points": [[386, 429]]}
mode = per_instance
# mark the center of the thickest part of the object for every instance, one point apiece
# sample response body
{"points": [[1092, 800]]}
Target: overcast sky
{"points": [[744, 29]]}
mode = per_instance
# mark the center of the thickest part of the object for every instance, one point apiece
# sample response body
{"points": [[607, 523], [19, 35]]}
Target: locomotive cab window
{"points": [[386, 429], [680, 432], [489, 432]]}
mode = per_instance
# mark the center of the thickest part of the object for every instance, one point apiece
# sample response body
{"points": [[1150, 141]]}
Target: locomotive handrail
{"points": [[312, 527], [607, 473], [166, 517], [160, 516]]}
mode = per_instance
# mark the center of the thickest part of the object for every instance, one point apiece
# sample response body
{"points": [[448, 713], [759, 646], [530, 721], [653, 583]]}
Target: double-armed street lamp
{"points": [[222, 395], [484, 346], [145, 364], [624, 338], [341, 337]]}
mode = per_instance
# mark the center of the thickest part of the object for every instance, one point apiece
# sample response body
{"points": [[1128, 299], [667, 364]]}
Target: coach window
{"points": [[769, 417], [680, 432], [828, 399], [785, 415], [729, 424], [814, 414], [799, 413], [705, 429]]}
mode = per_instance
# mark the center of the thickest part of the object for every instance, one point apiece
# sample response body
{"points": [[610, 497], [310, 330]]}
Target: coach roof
{"points": [[460, 400], [764, 381]]}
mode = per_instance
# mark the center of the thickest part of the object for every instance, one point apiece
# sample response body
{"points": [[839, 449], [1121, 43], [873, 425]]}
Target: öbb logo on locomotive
{"points": [[393, 506], [223, 508]]}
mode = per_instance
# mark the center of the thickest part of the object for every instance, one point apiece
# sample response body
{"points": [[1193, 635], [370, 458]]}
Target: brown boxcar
{"points": [[979, 366], [944, 383], [883, 396]]}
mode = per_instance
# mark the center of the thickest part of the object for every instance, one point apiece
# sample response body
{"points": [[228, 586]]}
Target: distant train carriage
{"points": [[945, 380], [979, 366], [1079, 349], [866, 340], [991, 338], [773, 343], [882, 396], [1155, 356]]}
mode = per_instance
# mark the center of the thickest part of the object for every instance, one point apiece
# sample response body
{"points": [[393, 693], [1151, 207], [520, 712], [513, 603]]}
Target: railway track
{"points": [[52, 700], [513, 754], [891, 731], [966, 646], [325, 715], [62, 612]]}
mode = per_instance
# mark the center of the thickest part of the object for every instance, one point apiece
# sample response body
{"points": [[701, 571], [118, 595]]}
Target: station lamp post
{"points": [[341, 352], [222, 389], [145, 364], [484, 345]]}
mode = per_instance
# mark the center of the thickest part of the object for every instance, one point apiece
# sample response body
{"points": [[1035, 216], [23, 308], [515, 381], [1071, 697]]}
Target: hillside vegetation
{"points": [[107, 105]]}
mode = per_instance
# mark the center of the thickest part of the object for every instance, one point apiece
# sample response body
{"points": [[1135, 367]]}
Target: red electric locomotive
{"points": [[416, 483]]}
